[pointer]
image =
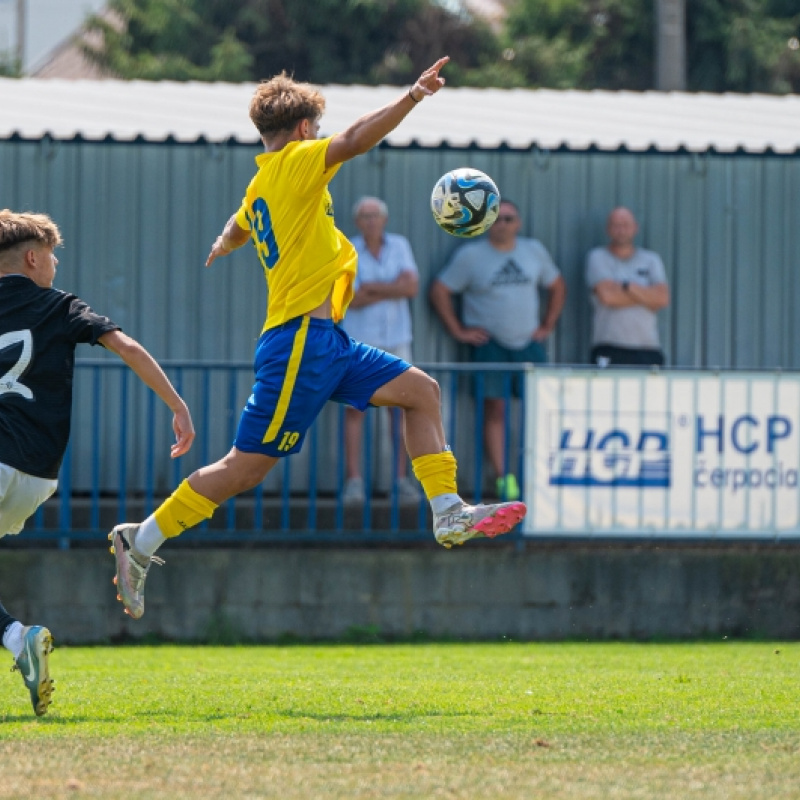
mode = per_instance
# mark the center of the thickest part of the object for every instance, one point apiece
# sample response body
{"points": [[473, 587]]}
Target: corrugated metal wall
{"points": [[138, 219]]}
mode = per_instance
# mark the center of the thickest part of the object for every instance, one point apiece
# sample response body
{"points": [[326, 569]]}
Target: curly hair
{"points": [[280, 103], [17, 228]]}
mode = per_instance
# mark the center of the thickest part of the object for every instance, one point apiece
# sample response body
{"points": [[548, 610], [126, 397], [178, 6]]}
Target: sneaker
{"points": [[33, 664], [353, 493], [507, 487], [460, 523], [408, 491], [131, 568]]}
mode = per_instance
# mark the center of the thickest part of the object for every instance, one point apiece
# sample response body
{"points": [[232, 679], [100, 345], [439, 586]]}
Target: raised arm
{"points": [[370, 129], [146, 367]]}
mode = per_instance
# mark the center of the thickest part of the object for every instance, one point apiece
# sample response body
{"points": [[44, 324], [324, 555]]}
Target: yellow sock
{"points": [[436, 473], [182, 510]]}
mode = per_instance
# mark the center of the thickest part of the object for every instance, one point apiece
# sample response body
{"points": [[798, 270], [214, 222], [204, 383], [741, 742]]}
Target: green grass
{"points": [[411, 721]]}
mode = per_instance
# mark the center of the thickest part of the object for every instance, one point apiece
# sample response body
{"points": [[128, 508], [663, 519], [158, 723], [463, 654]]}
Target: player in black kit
{"points": [[39, 329]]}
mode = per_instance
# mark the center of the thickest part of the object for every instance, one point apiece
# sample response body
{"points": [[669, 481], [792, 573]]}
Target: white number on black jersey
{"points": [[9, 383]]}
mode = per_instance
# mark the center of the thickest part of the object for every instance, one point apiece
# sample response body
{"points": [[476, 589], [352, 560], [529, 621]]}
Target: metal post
{"points": [[21, 9], [671, 45]]}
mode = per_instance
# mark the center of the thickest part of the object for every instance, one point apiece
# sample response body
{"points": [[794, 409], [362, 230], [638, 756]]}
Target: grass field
{"points": [[512, 720]]}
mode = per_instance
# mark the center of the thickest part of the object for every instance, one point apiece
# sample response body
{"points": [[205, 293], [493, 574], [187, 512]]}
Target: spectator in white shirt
{"points": [[379, 315]]}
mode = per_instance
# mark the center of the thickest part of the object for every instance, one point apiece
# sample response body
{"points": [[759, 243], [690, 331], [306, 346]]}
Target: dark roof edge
{"points": [[473, 146]]}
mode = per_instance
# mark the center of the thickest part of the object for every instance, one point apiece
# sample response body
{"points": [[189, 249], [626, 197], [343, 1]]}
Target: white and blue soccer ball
{"points": [[465, 202]]}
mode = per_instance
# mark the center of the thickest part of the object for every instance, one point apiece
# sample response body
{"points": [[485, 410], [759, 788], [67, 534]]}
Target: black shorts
{"points": [[609, 355]]}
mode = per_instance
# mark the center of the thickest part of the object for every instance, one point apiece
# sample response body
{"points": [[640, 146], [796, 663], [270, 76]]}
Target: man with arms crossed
{"points": [[629, 286], [379, 315], [39, 330], [303, 358]]}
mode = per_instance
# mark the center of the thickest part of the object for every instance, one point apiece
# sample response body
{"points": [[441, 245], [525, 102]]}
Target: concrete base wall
{"points": [[483, 592]]}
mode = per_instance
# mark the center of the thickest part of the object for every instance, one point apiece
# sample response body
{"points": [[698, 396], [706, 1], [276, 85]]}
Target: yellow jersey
{"points": [[289, 212]]}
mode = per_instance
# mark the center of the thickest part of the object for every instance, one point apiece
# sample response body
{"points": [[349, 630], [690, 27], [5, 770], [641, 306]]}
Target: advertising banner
{"points": [[639, 452]]}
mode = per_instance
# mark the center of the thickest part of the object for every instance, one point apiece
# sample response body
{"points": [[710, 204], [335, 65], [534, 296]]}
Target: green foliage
{"points": [[9, 66], [582, 44], [732, 45], [743, 46], [322, 41], [169, 39], [434, 31]]}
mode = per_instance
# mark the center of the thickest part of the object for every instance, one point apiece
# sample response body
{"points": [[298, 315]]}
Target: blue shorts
{"points": [[497, 384], [299, 366]]}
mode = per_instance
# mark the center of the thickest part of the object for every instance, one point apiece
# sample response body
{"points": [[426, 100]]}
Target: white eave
{"points": [[487, 118]]}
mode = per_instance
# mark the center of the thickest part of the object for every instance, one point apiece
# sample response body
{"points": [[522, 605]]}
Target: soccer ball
{"points": [[465, 202]]}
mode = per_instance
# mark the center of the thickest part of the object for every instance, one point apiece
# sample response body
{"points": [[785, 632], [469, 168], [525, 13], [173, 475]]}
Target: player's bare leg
{"points": [[133, 544], [494, 437], [454, 521]]}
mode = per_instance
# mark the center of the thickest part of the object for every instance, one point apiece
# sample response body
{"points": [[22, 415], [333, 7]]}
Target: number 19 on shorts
{"points": [[288, 441]]}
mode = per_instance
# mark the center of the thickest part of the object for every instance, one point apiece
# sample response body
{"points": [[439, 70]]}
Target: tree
{"points": [[586, 44], [743, 45], [9, 66], [154, 39], [321, 41], [432, 32], [732, 45]]}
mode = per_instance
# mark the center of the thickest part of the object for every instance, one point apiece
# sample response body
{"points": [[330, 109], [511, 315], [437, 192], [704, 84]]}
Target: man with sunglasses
{"points": [[499, 277]]}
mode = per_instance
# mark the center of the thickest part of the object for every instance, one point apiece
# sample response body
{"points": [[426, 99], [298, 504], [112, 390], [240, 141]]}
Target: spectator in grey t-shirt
{"points": [[499, 277], [628, 285]]}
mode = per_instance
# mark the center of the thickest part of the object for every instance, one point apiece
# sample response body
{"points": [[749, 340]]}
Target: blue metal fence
{"points": [[117, 466]]}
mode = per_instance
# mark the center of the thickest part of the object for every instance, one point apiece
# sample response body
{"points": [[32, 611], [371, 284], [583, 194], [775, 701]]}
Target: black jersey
{"points": [[39, 329]]}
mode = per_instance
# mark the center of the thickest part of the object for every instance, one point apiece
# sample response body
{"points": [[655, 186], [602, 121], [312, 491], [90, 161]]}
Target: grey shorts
{"points": [[20, 495]]}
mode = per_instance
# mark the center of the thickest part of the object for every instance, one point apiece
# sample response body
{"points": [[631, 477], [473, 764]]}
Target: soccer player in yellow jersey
{"points": [[303, 358]]}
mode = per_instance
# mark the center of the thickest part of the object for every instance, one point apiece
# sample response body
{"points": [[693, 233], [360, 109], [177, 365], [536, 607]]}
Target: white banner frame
{"points": [[662, 453]]}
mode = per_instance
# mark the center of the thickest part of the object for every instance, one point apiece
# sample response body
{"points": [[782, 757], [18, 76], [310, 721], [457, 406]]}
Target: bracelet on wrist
{"points": [[414, 99]]}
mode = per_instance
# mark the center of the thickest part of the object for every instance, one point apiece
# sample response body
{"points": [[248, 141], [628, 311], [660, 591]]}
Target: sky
{"points": [[48, 23]]}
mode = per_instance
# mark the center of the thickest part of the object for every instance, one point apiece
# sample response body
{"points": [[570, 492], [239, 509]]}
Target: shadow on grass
{"points": [[168, 717], [373, 717], [49, 719]]}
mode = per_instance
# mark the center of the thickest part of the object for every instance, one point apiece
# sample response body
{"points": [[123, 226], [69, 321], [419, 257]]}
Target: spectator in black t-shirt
{"points": [[39, 329]]}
